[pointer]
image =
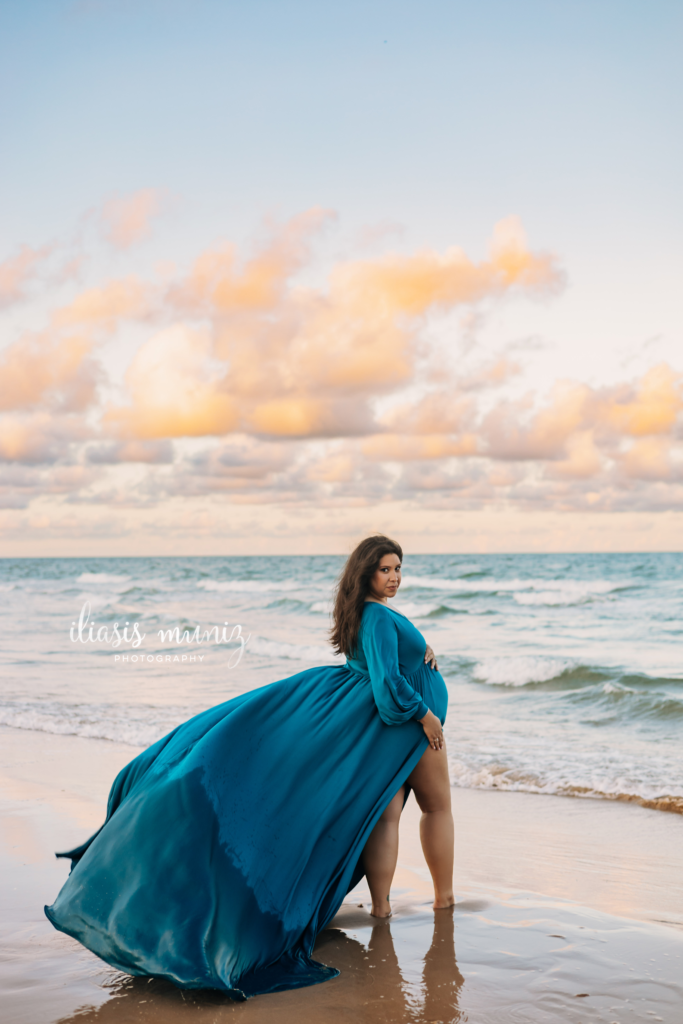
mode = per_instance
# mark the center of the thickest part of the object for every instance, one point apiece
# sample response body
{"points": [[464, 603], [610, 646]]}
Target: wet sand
{"points": [[568, 911]]}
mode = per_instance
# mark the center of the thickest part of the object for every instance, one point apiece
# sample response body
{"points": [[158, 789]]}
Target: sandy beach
{"points": [[568, 910]]}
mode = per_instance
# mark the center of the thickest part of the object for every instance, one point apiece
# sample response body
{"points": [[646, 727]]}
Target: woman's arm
{"points": [[397, 701]]}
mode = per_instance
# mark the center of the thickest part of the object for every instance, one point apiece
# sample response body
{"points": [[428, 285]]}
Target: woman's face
{"points": [[387, 578]]}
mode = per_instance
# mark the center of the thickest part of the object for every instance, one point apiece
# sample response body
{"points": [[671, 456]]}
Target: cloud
{"points": [[373, 236], [402, 448], [428, 280], [153, 452], [255, 377], [39, 437], [649, 406], [335, 468], [219, 282], [283, 360], [31, 269], [438, 411], [44, 370], [650, 458], [128, 220], [175, 390], [17, 272], [107, 305], [241, 466], [583, 458]]}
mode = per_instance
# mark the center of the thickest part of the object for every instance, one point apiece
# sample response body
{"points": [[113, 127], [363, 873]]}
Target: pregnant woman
{"points": [[231, 842]]}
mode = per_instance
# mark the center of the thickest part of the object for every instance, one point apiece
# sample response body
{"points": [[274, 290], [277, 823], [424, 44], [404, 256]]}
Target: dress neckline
{"points": [[388, 606]]}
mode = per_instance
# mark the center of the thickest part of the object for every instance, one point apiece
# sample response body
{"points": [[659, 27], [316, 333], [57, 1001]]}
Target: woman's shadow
{"points": [[371, 989]]}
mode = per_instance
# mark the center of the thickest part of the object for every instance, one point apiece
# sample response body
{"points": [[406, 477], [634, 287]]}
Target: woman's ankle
{"points": [[381, 909], [443, 900]]}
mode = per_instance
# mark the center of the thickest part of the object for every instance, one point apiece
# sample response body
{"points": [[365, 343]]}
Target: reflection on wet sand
{"points": [[399, 999], [371, 987], [440, 975]]}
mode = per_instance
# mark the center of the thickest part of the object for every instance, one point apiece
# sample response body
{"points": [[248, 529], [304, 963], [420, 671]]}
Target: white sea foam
{"points": [[416, 611], [295, 652], [612, 688], [325, 607], [551, 598], [135, 725], [101, 577], [249, 586], [571, 592], [502, 777], [595, 778], [520, 670], [515, 586], [96, 601]]}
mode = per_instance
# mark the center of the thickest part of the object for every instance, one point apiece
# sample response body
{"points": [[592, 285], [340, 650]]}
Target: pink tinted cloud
{"points": [[649, 406], [220, 282], [107, 305], [18, 271], [112, 453], [128, 219], [39, 437], [42, 370]]}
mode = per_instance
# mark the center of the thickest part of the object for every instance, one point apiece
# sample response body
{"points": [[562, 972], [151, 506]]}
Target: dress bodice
{"points": [[390, 651]]}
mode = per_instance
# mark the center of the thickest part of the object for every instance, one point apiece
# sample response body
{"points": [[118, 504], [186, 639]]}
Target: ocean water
{"points": [[564, 672]]}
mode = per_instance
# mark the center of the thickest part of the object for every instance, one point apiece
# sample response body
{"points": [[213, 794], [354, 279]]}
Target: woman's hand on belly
{"points": [[430, 658], [433, 730]]}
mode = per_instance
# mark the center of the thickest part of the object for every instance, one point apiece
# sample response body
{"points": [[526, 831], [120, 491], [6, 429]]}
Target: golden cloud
{"points": [[305, 390], [428, 280], [174, 391], [651, 407], [307, 362], [579, 417]]}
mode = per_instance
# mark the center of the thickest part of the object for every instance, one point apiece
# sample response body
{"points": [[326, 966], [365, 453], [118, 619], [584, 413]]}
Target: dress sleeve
{"points": [[396, 700]]}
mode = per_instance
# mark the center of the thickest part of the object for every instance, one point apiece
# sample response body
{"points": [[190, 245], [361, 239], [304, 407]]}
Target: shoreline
{"points": [[601, 874], [668, 804]]}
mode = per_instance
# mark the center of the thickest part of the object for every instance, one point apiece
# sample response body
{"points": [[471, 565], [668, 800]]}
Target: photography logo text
{"points": [[127, 636]]}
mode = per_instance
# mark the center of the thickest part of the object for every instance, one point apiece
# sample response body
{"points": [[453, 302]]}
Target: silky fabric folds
{"points": [[231, 842]]}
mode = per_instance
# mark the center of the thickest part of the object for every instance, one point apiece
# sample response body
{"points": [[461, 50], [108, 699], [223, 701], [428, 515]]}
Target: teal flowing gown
{"points": [[231, 842]]}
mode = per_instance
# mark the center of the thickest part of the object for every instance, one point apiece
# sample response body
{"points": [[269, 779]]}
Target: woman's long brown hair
{"points": [[353, 587]]}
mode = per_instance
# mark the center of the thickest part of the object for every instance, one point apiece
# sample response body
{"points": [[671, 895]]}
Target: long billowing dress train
{"points": [[231, 842]]}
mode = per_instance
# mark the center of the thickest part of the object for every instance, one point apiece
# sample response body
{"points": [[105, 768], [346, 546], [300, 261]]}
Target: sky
{"points": [[277, 275]]}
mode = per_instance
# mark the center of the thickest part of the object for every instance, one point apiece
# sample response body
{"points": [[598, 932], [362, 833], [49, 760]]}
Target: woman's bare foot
{"points": [[381, 909], [444, 902]]}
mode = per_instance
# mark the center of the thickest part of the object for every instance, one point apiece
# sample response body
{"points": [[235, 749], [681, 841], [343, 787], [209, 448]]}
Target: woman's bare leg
{"points": [[433, 794], [380, 855]]}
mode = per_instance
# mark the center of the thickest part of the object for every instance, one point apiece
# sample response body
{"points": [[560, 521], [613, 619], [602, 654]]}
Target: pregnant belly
{"points": [[430, 684]]}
